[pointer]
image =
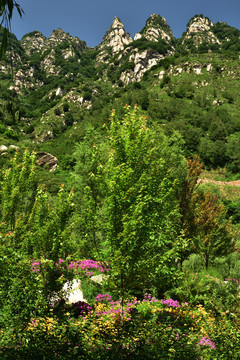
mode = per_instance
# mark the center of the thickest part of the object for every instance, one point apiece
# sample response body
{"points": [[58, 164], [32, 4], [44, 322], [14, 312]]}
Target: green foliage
{"points": [[65, 107], [30, 34], [89, 187], [69, 119], [140, 225], [6, 12], [57, 112], [228, 35], [34, 225], [207, 289], [135, 207], [204, 218], [161, 46], [47, 233], [156, 21]]}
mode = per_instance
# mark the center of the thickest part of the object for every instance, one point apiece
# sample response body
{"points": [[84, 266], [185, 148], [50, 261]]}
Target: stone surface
{"points": [[14, 147], [143, 61], [115, 39], [3, 148], [73, 292], [47, 160], [157, 28], [200, 31], [33, 42]]}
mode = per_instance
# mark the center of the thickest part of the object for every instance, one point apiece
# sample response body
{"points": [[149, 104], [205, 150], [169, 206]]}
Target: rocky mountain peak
{"points": [[155, 20], [116, 37], [156, 28], [59, 36], [117, 23], [199, 24], [199, 32], [33, 41]]}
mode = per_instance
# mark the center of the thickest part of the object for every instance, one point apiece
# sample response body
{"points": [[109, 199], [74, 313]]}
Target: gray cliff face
{"points": [[156, 29], [138, 52], [34, 42], [115, 40], [199, 31], [42, 56], [60, 37], [143, 61], [118, 52]]}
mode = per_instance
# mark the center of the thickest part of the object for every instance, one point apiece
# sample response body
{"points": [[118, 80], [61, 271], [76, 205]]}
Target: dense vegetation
{"points": [[157, 253]]}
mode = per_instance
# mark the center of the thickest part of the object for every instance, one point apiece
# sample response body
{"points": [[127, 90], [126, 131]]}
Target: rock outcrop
{"points": [[33, 42], [59, 37], [199, 32], [152, 44], [156, 29], [47, 160], [46, 54], [115, 40], [143, 61]]}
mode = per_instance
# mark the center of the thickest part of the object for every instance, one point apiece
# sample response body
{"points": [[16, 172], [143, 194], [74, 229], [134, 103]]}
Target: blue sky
{"points": [[90, 19]]}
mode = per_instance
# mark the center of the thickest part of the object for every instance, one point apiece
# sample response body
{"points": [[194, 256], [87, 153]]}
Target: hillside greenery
{"points": [[126, 202]]}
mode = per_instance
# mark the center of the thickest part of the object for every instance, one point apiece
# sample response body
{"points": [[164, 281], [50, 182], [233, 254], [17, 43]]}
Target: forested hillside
{"points": [[110, 161]]}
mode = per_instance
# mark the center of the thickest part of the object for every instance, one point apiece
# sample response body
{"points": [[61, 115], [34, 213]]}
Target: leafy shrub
{"points": [[69, 119], [65, 107], [57, 112]]}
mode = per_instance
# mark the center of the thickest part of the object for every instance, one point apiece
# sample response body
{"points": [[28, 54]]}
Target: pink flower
{"points": [[206, 342]]}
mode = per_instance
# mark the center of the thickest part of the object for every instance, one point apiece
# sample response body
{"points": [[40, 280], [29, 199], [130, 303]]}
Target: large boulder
{"points": [[3, 149], [47, 160]]}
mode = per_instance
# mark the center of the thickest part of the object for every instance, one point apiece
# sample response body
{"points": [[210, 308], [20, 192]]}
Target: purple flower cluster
{"points": [[149, 298], [36, 266], [87, 265], [171, 303], [206, 342], [104, 297], [234, 280]]}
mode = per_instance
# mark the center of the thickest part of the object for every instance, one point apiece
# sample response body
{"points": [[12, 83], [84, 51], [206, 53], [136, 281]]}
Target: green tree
{"points": [[187, 200], [232, 150], [90, 155], [213, 233], [6, 13], [203, 219], [34, 223], [141, 210]]}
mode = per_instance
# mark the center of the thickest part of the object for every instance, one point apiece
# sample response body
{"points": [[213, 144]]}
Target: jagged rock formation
{"points": [[59, 37], [156, 29], [115, 40], [152, 44], [36, 41], [199, 32], [45, 52], [33, 42], [47, 160], [143, 61], [50, 72]]}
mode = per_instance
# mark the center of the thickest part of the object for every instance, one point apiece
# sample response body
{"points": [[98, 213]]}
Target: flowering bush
{"points": [[102, 329]]}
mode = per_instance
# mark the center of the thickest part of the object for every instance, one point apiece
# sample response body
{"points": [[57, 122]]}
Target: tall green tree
{"points": [[6, 12], [141, 208], [214, 235], [203, 219], [30, 220], [91, 154]]}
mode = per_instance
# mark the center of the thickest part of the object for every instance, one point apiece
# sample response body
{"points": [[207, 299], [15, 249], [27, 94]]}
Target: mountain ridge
{"points": [[60, 85]]}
